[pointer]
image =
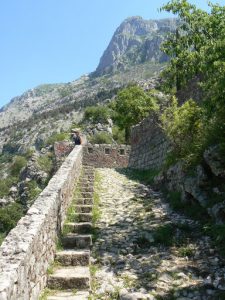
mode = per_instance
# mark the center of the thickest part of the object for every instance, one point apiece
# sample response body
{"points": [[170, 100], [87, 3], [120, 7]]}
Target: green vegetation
{"points": [[184, 127], [9, 216], [97, 114], [145, 176], [164, 235], [191, 209], [118, 135], [46, 163], [5, 185], [217, 233], [101, 138], [33, 190], [56, 137], [96, 204], [197, 52], [186, 251], [18, 163], [132, 104]]}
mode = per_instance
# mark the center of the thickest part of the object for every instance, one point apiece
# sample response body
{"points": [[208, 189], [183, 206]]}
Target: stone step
{"points": [[88, 182], [73, 257], [84, 201], [88, 178], [87, 189], [83, 208], [77, 241], [67, 295], [70, 278], [88, 171], [81, 227], [86, 194], [88, 168], [83, 217]]}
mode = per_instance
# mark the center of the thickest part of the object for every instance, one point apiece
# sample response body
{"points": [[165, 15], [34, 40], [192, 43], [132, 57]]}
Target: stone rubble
{"points": [[132, 264]]}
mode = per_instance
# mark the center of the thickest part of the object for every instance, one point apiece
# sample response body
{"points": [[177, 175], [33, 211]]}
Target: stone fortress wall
{"points": [[149, 145], [106, 156], [29, 248]]}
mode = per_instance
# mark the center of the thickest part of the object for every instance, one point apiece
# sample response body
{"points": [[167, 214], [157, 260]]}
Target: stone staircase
{"points": [[70, 279]]}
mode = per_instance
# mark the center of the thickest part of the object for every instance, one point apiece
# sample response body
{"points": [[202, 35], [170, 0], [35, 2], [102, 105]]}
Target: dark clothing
{"points": [[77, 140]]}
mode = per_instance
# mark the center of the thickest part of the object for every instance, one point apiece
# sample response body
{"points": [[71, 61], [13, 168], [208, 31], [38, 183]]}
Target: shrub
{"points": [[164, 234], [56, 137], [18, 163], [97, 114], [101, 138], [33, 190], [9, 216], [46, 163], [118, 135], [5, 185], [184, 127]]}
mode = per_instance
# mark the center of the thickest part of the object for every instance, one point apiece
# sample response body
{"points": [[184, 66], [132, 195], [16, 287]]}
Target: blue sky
{"points": [[53, 41]]}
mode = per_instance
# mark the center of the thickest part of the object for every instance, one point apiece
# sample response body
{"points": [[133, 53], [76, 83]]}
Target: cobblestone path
{"points": [[143, 250]]}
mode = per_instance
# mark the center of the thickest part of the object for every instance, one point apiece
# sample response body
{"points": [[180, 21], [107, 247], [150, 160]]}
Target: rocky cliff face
{"points": [[135, 41]]}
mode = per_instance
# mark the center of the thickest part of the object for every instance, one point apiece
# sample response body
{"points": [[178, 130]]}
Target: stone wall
{"points": [[148, 145], [106, 156], [29, 248]]}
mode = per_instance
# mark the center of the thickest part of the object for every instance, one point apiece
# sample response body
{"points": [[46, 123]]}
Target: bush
{"points": [[164, 235], [101, 138], [18, 163], [118, 135], [9, 216], [184, 127], [97, 114], [46, 163], [56, 137], [33, 190], [5, 185]]}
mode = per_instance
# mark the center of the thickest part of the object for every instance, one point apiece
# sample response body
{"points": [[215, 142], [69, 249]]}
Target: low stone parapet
{"points": [[106, 156], [30, 247]]}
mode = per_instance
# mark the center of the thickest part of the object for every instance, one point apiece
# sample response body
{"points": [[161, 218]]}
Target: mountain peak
{"points": [[135, 41]]}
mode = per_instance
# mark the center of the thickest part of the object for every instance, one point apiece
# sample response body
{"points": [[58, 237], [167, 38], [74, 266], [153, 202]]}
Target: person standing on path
{"points": [[76, 137]]}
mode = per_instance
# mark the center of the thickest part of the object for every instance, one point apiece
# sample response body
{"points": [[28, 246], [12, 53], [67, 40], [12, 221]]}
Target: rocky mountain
{"points": [[134, 53], [135, 47], [135, 41]]}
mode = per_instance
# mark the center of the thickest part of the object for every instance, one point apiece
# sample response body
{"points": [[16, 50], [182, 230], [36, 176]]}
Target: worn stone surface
{"points": [[137, 259], [30, 247]]}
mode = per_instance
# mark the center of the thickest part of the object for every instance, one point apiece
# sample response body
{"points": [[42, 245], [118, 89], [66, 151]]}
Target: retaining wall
{"points": [[149, 145], [29, 248], [106, 156]]}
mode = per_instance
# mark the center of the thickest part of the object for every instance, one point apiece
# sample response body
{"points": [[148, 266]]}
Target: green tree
{"points": [[197, 49], [132, 104]]}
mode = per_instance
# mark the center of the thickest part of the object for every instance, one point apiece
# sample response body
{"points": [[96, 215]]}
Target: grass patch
{"points": [[2, 237], [144, 176], [47, 292], [191, 209], [217, 233], [186, 251], [96, 214], [164, 235]]}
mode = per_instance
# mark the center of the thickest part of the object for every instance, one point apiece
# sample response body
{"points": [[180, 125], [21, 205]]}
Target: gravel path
{"points": [[143, 250]]}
